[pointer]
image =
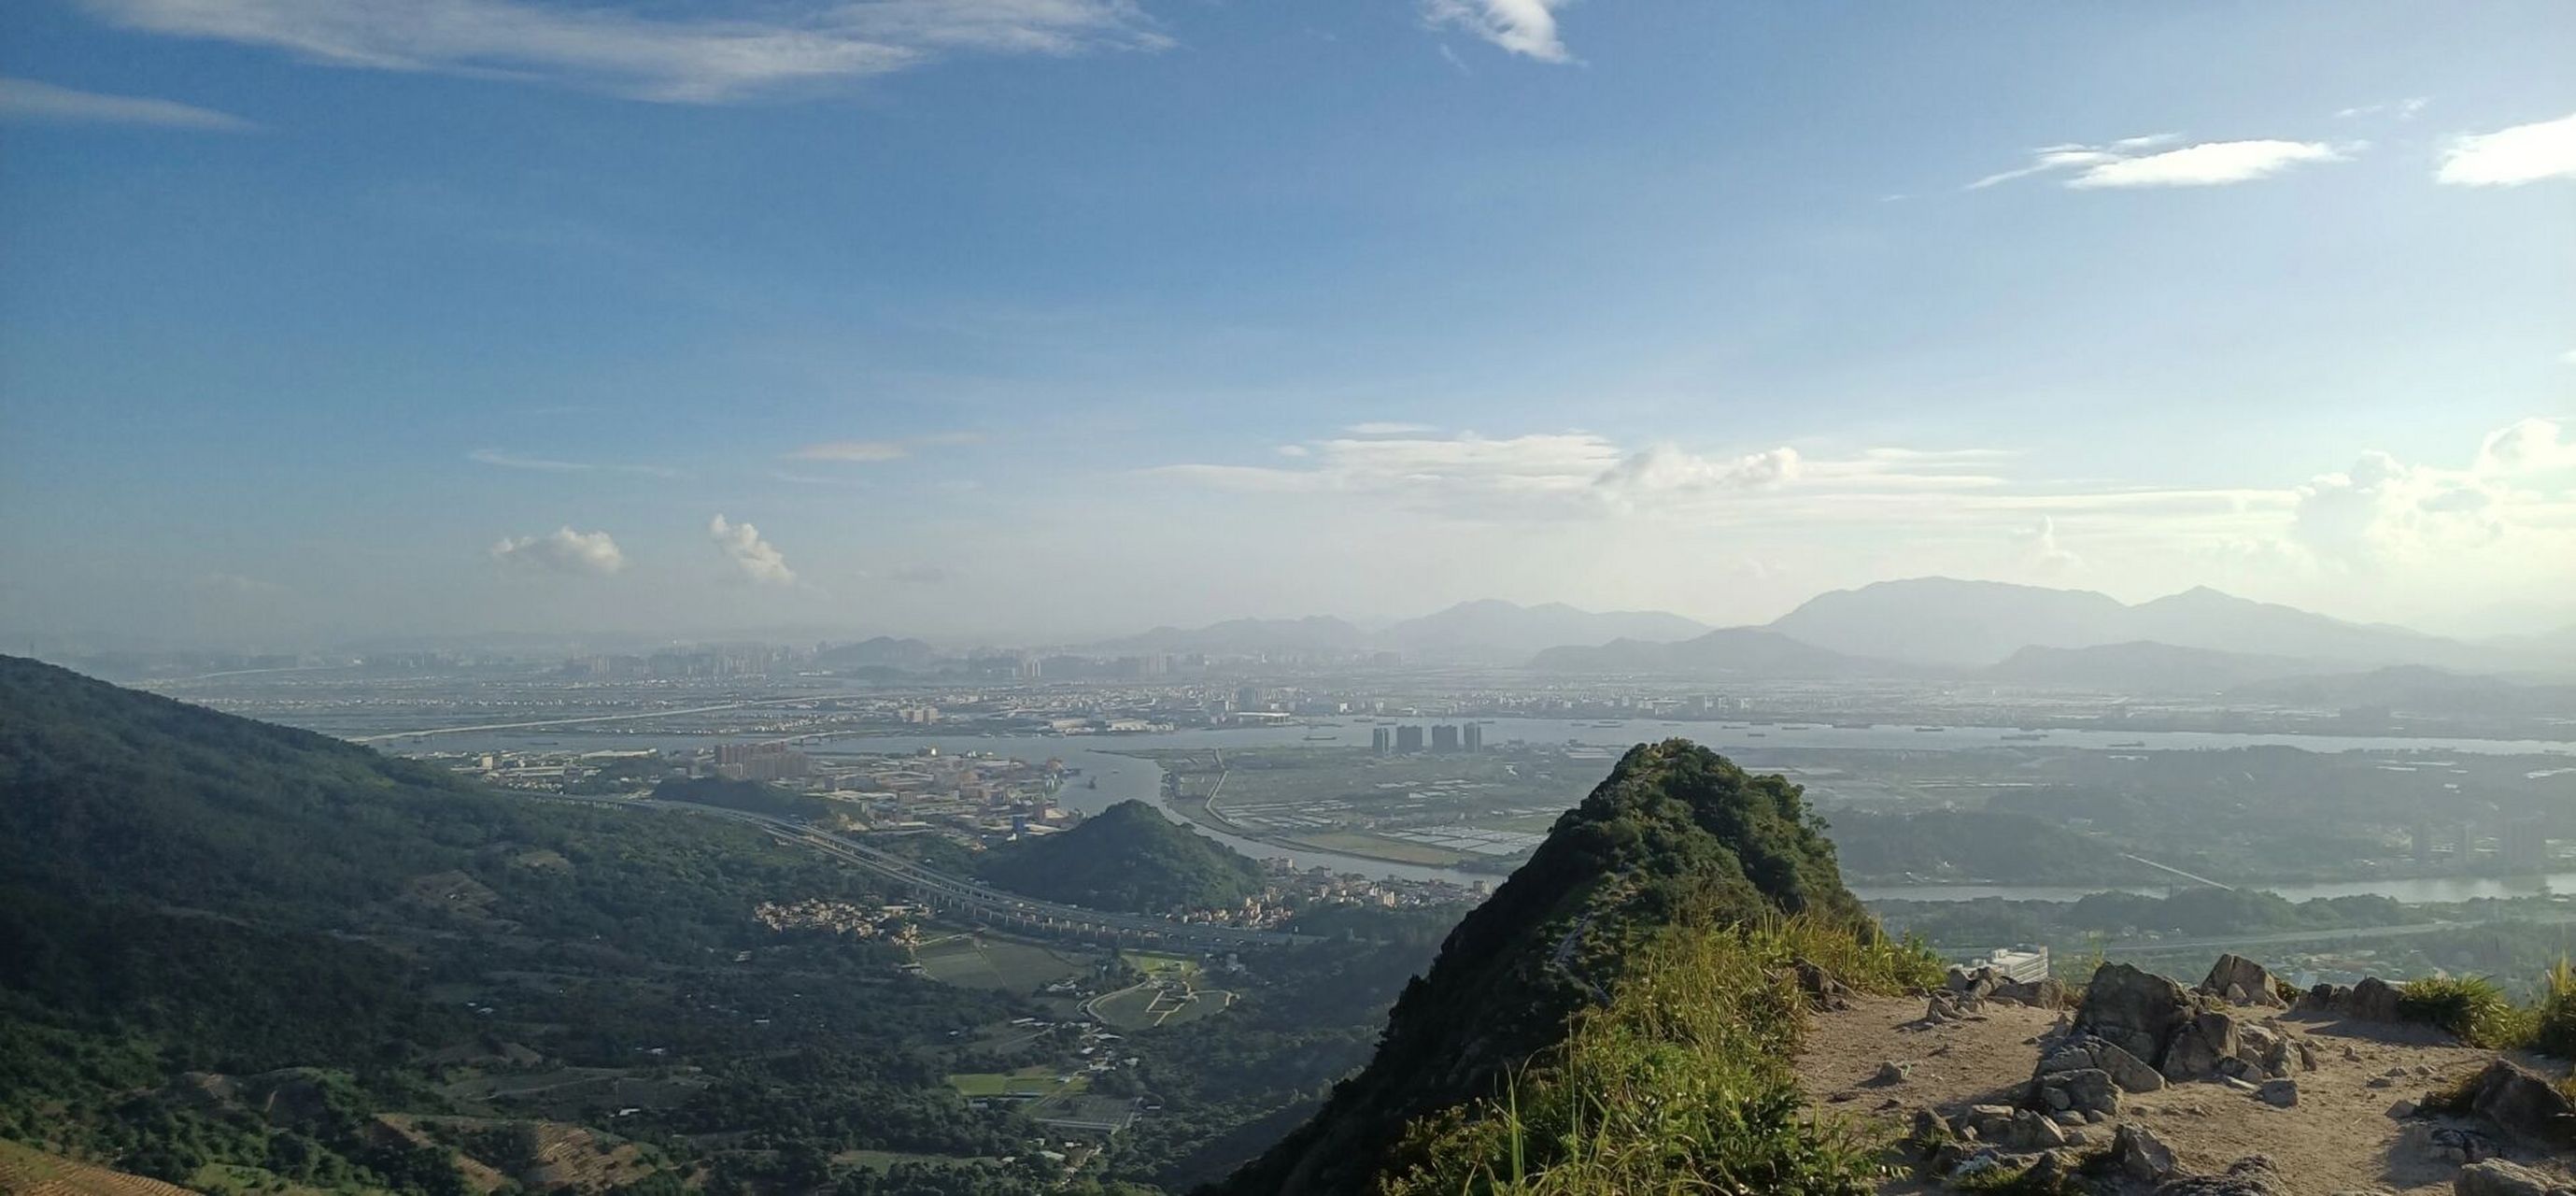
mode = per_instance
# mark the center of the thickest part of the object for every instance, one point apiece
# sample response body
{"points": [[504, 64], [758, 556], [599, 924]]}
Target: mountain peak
{"points": [[1676, 834]]}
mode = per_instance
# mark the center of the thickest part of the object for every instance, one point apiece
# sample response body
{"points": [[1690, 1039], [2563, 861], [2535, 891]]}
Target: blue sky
{"points": [[1042, 318]]}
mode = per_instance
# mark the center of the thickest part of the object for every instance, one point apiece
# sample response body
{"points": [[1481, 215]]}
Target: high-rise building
{"points": [[1408, 739], [1473, 737], [1444, 738], [1381, 740]]}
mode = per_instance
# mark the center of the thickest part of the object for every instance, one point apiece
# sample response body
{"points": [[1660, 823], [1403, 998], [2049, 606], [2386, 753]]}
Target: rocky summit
{"points": [[2236, 1086]]}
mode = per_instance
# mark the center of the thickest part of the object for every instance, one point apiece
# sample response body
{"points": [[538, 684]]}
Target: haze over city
{"points": [[1036, 322]]}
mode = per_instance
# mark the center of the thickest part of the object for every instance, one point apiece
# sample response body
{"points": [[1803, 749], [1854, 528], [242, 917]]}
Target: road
{"points": [[567, 722], [983, 902]]}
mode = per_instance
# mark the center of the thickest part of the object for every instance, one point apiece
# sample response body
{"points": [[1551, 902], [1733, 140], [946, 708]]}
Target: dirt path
{"points": [[2338, 1138]]}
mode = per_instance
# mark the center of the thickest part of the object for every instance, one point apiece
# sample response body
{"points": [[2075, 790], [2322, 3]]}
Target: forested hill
{"points": [[1677, 838], [1127, 858]]}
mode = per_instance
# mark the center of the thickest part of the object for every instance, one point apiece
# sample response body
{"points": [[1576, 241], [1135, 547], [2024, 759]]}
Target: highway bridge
{"points": [[983, 903]]}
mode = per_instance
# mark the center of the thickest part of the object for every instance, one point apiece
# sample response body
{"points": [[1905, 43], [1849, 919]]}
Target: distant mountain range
{"points": [[1489, 631]]}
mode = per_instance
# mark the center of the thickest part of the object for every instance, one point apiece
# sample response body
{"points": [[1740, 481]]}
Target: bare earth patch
{"points": [[2338, 1138]]}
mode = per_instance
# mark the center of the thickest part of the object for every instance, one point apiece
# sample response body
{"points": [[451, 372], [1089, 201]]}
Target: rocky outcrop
{"points": [[2241, 981], [2134, 1010], [2253, 1175], [2495, 1177], [2522, 1104]]}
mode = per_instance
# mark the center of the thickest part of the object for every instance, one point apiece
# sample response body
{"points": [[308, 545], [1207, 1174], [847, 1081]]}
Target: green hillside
{"points": [[229, 952], [1128, 858], [1636, 953]]}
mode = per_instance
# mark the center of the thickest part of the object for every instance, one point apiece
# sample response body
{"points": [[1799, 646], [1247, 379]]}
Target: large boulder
{"points": [[2496, 1177], [2082, 1052], [2372, 1000], [2134, 1010], [2523, 1104], [2241, 981], [2199, 1046]]}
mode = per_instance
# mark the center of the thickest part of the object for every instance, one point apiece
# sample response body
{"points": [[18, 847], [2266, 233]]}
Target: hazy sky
{"points": [[1041, 318]]}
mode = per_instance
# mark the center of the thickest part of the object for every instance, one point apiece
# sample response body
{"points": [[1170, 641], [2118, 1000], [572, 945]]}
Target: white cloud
{"points": [[676, 58], [871, 451], [1385, 428], [2401, 109], [2039, 547], [851, 450], [2210, 163], [562, 551], [29, 100], [2527, 446], [2511, 157], [1524, 27], [1661, 472], [501, 459], [760, 561]]}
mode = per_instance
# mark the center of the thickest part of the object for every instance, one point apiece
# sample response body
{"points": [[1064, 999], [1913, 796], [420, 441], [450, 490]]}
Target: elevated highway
{"points": [[983, 903]]}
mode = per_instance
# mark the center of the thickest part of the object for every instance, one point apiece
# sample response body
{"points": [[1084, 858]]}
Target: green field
{"points": [[1162, 967], [1147, 1006], [1027, 1081], [983, 961]]}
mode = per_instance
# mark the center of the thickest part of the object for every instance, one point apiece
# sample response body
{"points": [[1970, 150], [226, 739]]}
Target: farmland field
{"points": [[985, 961]]}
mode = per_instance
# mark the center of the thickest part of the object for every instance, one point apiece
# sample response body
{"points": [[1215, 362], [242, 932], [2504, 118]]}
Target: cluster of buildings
{"points": [[1445, 738]]}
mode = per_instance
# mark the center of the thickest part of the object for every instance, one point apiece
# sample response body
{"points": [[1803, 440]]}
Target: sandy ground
{"points": [[2339, 1137]]}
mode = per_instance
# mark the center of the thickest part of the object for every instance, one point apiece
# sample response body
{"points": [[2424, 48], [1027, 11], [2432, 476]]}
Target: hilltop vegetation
{"points": [[200, 912], [1681, 873], [1128, 858]]}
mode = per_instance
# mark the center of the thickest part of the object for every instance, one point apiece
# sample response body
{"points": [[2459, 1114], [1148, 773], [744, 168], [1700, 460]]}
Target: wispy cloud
{"points": [[760, 561], [872, 451], [562, 551], [30, 100], [1524, 27], [2513, 156], [2404, 109], [668, 58], [507, 460], [2125, 163]]}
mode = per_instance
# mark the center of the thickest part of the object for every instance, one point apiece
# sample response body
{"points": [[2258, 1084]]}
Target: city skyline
{"points": [[1048, 322]]}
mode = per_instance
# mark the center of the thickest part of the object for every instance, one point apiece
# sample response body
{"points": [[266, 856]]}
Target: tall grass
{"points": [[2553, 1028], [2472, 1008], [1680, 1084]]}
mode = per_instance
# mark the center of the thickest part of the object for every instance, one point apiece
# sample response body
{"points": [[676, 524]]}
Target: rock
{"points": [[2283, 1093], [2379, 1082], [1942, 1007], [2242, 981], [2134, 1010], [2253, 1175], [2307, 1054], [2047, 992], [1986, 1123], [2030, 1131], [2523, 1104], [2372, 1000], [2136, 1152], [1823, 991], [2195, 1049], [2443, 1143], [1892, 1073], [2325, 998], [2263, 1049], [2085, 1090], [2067, 1119], [2350, 1055], [2496, 1177], [2401, 1110]]}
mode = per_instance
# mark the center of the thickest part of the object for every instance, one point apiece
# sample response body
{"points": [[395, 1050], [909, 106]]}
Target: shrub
{"points": [[2553, 1028], [2472, 1008]]}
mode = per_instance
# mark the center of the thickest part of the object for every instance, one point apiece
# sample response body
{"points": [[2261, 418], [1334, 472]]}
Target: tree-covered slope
{"points": [[1127, 858], [1677, 841]]}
